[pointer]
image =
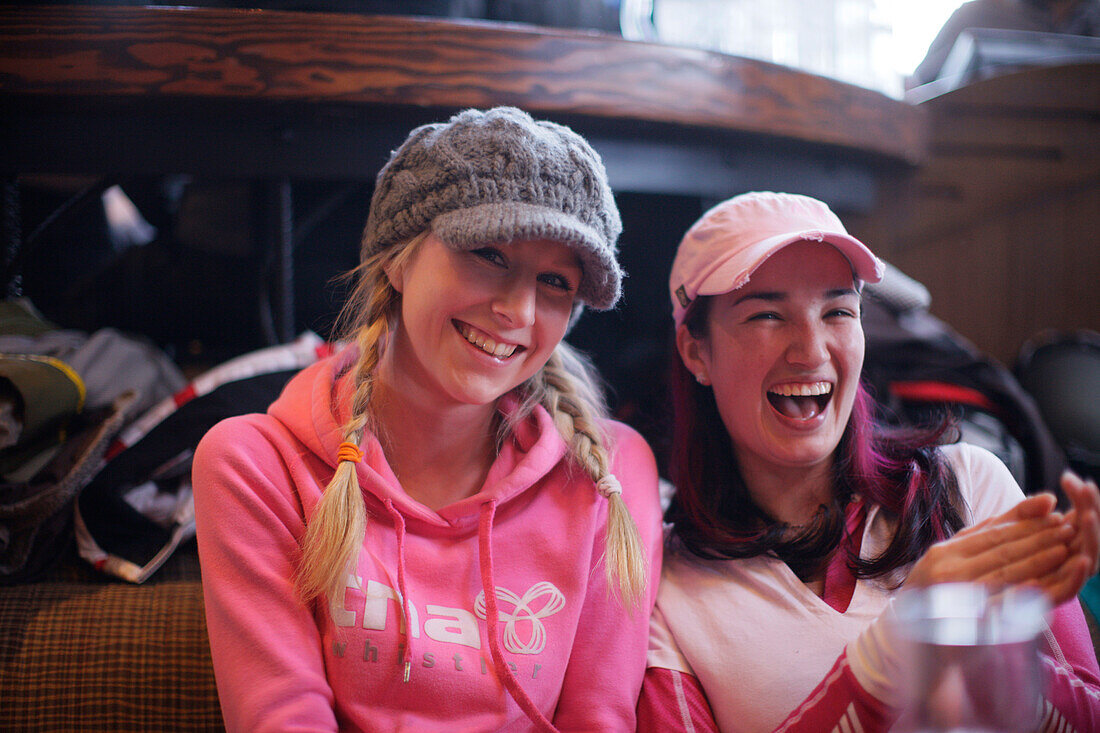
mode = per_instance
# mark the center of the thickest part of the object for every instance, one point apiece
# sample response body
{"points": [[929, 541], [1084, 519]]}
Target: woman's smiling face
{"points": [[783, 354], [475, 324]]}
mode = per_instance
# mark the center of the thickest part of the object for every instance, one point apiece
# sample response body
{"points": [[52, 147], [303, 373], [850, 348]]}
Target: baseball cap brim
{"points": [[734, 270]]}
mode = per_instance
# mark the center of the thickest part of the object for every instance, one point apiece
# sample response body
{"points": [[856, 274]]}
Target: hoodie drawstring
{"points": [[484, 538], [399, 527]]}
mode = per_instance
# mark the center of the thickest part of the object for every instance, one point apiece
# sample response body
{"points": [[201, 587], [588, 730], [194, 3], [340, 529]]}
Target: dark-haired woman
{"points": [[797, 519]]}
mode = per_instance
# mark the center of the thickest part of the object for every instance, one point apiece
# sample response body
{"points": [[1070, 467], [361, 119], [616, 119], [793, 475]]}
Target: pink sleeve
{"points": [[1072, 701], [265, 645], [673, 701], [604, 676], [839, 702]]}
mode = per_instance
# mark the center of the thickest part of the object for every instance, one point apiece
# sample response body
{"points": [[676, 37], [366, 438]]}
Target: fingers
{"points": [[1019, 552], [1066, 582], [1030, 544], [1042, 564], [1032, 507], [1085, 516], [1081, 492], [1011, 539], [997, 554]]}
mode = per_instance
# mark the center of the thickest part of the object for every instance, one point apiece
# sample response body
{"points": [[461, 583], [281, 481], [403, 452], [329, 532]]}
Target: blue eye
{"points": [[490, 254], [555, 280]]}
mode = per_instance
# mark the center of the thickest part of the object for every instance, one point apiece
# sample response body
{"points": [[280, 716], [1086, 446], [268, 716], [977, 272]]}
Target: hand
{"points": [[1028, 544], [1032, 507], [1085, 517]]}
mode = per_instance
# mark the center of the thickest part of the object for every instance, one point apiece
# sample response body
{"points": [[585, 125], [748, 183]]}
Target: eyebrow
{"points": [[778, 296]]}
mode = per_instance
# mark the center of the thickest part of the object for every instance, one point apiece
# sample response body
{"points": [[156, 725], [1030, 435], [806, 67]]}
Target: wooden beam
{"points": [[198, 53]]}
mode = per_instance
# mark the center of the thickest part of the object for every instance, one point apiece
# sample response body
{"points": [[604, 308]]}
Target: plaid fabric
{"points": [[81, 652]]}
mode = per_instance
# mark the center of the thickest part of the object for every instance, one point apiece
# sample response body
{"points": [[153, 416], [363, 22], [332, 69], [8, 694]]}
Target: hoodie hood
{"points": [[317, 402]]}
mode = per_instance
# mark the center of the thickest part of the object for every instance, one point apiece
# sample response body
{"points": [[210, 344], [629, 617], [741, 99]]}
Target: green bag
{"points": [[39, 397]]}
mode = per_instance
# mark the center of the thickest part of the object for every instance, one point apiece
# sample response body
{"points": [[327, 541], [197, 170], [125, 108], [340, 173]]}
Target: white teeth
{"points": [[802, 390], [486, 344]]}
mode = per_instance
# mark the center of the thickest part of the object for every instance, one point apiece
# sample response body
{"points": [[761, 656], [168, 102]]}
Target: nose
{"points": [[515, 303], [808, 347]]}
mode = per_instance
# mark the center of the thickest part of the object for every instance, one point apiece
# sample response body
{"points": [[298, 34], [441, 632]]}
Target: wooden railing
{"points": [[379, 61]]}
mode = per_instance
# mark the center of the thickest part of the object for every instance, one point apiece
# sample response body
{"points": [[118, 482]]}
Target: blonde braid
{"points": [[565, 386], [336, 529]]}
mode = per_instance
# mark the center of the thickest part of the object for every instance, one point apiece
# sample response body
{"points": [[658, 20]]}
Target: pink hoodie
{"points": [[534, 532]]}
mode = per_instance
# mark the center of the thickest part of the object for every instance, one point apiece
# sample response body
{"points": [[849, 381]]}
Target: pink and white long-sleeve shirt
{"points": [[744, 645]]}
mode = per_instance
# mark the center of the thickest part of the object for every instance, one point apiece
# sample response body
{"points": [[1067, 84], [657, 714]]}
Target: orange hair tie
{"points": [[349, 452]]}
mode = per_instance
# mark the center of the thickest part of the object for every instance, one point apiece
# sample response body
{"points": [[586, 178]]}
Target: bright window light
{"points": [[872, 43]]}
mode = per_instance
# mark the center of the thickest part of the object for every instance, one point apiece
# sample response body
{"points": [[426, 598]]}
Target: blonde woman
{"points": [[438, 529]]}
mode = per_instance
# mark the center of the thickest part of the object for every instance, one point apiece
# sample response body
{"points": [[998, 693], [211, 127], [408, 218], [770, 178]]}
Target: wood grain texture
{"points": [[164, 53], [1001, 222], [997, 143]]}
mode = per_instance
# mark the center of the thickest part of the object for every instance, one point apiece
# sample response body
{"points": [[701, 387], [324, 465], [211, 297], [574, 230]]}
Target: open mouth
{"points": [[800, 401], [498, 349]]}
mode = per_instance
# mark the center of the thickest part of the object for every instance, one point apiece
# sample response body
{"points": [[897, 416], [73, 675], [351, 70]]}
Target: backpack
{"points": [[139, 508]]}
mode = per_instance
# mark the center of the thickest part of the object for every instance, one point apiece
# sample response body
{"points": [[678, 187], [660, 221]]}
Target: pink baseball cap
{"points": [[722, 250]]}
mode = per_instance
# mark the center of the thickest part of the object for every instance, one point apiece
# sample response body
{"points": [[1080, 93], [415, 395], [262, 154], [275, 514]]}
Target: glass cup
{"points": [[972, 658]]}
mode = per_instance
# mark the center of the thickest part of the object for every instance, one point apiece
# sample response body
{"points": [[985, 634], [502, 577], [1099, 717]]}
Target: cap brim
{"points": [[503, 222], [737, 270]]}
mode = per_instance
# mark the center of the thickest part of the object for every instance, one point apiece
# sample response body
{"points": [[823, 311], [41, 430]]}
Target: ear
{"points": [[695, 354], [395, 274]]}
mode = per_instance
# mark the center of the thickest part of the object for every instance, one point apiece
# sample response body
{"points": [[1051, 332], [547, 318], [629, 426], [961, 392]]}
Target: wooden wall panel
{"points": [[1003, 279], [1001, 224]]}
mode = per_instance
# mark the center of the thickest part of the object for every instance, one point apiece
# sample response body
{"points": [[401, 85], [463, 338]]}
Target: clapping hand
{"points": [[1030, 544], [1083, 558], [1026, 544], [1084, 514]]}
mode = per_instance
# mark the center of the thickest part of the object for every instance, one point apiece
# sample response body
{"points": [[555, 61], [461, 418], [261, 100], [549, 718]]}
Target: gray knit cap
{"points": [[500, 176]]}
